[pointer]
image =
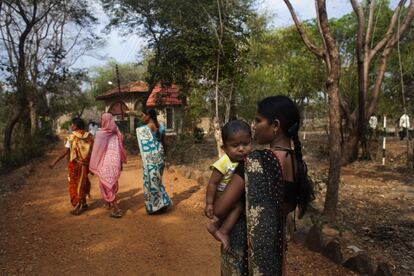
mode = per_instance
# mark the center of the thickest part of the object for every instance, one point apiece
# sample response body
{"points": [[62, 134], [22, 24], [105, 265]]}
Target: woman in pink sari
{"points": [[108, 154]]}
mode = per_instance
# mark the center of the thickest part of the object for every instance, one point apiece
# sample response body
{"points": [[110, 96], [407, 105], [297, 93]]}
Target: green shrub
{"points": [[198, 134], [27, 148], [131, 143]]}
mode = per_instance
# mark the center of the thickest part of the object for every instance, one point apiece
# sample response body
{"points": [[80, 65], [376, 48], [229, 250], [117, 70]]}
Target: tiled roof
{"points": [[132, 87], [165, 96], [160, 96]]}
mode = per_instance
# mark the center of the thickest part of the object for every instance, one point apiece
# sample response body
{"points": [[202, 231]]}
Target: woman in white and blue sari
{"points": [[150, 140]]}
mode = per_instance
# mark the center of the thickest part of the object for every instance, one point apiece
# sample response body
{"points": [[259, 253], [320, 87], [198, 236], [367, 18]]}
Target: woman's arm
{"points": [[61, 155], [233, 192]]}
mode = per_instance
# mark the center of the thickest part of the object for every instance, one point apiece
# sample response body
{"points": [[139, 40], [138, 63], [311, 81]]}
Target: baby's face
{"points": [[238, 145]]}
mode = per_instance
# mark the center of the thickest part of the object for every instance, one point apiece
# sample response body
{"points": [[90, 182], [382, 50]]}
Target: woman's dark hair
{"points": [[282, 108], [233, 127], [79, 123], [153, 115]]}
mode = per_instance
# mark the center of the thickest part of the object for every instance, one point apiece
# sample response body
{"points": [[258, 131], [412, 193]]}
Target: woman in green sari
{"points": [[151, 145], [273, 183]]}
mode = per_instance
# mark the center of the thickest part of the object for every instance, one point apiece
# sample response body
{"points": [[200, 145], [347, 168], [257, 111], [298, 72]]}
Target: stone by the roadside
{"points": [[346, 235], [196, 174], [207, 173], [299, 236], [188, 174], [333, 252], [354, 248], [360, 263], [201, 181], [383, 269], [314, 239], [331, 232]]}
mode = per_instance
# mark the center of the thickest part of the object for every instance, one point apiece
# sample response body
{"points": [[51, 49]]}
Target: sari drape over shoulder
{"points": [[81, 143], [153, 160], [257, 240], [107, 157]]}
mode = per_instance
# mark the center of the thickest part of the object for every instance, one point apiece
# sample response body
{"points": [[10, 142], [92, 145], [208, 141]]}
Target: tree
{"points": [[279, 63], [195, 44], [366, 52], [329, 53], [41, 40], [101, 76]]}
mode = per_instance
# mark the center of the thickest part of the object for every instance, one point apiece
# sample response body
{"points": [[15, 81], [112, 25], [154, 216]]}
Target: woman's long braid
{"points": [[153, 115], [305, 186]]}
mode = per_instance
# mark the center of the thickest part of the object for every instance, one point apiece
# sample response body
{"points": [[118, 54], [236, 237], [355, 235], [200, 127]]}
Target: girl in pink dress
{"points": [[107, 157]]}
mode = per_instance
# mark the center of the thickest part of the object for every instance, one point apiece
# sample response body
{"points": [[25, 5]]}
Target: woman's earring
{"points": [[274, 132]]}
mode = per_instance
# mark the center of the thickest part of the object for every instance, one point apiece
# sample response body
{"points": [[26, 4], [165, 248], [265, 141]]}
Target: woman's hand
{"points": [[209, 211]]}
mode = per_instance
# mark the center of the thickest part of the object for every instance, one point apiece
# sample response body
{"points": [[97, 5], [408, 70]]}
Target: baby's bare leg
{"points": [[231, 219], [223, 233], [213, 228]]}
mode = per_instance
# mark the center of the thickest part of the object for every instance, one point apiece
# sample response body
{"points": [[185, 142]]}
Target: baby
{"points": [[237, 143]]}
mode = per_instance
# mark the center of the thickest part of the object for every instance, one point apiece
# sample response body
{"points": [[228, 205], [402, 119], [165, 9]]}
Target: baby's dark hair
{"points": [[282, 108], [233, 127], [79, 123]]}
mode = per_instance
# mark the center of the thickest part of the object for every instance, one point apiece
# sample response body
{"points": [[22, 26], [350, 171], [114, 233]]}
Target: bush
{"points": [[131, 143], [27, 148], [198, 134], [66, 124]]}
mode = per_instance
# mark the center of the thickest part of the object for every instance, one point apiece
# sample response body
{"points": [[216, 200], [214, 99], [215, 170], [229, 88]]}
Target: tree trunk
{"points": [[330, 55], [410, 153], [33, 118], [8, 132], [217, 137], [350, 148], [331, 199]]}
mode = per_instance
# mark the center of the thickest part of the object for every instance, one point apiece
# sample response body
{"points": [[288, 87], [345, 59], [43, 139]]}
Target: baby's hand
{"points": [[209, 211]]}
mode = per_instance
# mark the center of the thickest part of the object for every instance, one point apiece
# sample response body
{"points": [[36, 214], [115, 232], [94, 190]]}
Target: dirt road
{"points": [[38, 236]]}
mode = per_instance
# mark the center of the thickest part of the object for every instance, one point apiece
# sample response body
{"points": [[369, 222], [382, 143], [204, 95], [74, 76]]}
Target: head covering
{"points": [[108, 129]]}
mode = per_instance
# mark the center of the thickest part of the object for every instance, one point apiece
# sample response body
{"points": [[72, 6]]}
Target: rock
{"points": [[333, 252], [354, 248], [330, 231], [314, 239], [196, 174], [187, 174], [360, 263], [383, 269], [183, 170], [202, 181], [299, 236], [346, 235], [171, 170], [207, 174]]}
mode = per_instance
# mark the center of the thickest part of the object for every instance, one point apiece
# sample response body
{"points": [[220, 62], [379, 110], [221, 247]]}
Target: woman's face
{"points": [[263, 130], [73, 127], [145, 118]]}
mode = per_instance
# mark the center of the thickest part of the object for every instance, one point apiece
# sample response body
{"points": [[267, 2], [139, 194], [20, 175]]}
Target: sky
{"points": [[125, 49]]}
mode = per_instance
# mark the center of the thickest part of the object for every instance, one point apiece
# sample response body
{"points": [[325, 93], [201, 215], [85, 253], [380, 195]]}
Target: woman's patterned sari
{"points": [[257, 240], [152, 154], [81, 143]]}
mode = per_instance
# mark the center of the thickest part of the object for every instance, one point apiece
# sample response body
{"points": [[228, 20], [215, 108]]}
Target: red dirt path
{"points": [[38, 236]]}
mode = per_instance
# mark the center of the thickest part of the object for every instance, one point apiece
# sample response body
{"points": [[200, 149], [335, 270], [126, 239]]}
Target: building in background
{"points": [[127, 104]]}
